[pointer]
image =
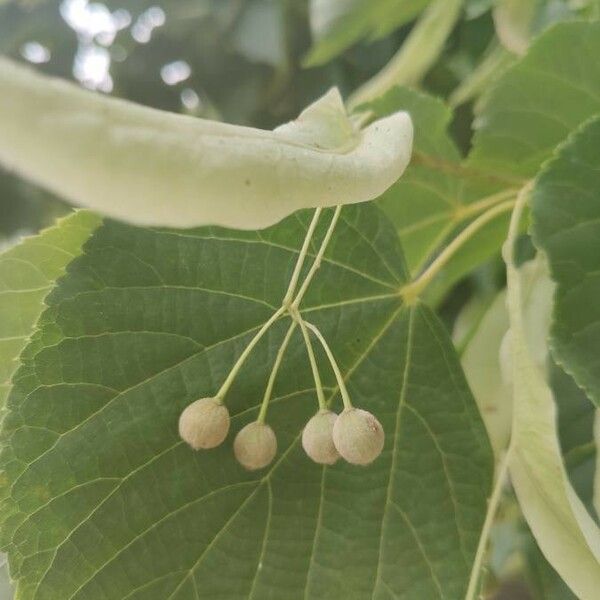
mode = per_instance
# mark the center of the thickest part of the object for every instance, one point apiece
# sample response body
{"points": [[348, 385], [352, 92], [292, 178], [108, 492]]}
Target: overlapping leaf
{"points": [[539, 101], [102, 499], [27, 273], [566, 224], [576, 434], [423, 203], [490, 380], [530, 109], [436, 195]]}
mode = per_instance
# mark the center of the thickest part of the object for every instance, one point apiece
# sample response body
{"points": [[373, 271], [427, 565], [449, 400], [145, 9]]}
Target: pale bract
{"points": [[565, 532], [597, 473], [487, 358], [151, 167], [480, 362], [513, 21]]}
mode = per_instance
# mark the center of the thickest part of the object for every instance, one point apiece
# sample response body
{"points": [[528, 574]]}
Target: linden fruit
{"points": [[204, 423], [358, 436], [317, 438], [255, 446]]}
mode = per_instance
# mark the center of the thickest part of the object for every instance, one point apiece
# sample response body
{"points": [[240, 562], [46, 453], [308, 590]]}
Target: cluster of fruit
{"points": [[355, 435]]}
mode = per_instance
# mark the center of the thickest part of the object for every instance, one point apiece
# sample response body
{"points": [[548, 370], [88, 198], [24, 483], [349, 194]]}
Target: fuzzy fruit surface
{"points": [[358, 436], [255, 446], [204, 423], [317, 438]]}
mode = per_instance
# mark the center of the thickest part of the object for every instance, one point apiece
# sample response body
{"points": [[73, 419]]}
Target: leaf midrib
{"points": [[273, 468]]}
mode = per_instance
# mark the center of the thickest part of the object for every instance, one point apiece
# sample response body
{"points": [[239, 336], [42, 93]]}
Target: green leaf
{"points": [[423, 202], [513, 20], [339, 27], [517, 128], [437, 196], [563, 529], [150, 167], [576, 433], [494, 62], [566, 225], [539, 101], [27, 273], [103, 500]]}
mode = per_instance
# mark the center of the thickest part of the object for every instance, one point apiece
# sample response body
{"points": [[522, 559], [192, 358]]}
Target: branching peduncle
{"points": [[300, 262], [311, 357], [294, 312], [317, 262], [244, 355], [290, 307], [269, 389], [334, 365]]}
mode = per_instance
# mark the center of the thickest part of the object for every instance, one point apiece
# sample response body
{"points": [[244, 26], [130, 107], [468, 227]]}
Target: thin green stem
{"points": [[414, 289], [284, 306], [492, 508], [513, 283], [515, 314], [244, 355], [300, 262], [334, 365], [464, 211], [418, 53], [317, 262], [313, 362], [269, 389]]}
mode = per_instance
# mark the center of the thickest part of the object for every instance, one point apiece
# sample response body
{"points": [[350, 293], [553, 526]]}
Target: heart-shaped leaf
{"points": [[539, 101], [566, 225], [103, 500]]}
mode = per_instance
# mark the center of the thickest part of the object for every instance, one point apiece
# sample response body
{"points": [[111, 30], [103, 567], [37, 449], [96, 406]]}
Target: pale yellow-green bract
{"points": [[597, 473], [151, 167], [487, 358], [565, 532]]}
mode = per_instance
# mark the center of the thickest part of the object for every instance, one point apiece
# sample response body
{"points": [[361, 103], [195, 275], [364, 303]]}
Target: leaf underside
{"points": [[102, 500]]}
